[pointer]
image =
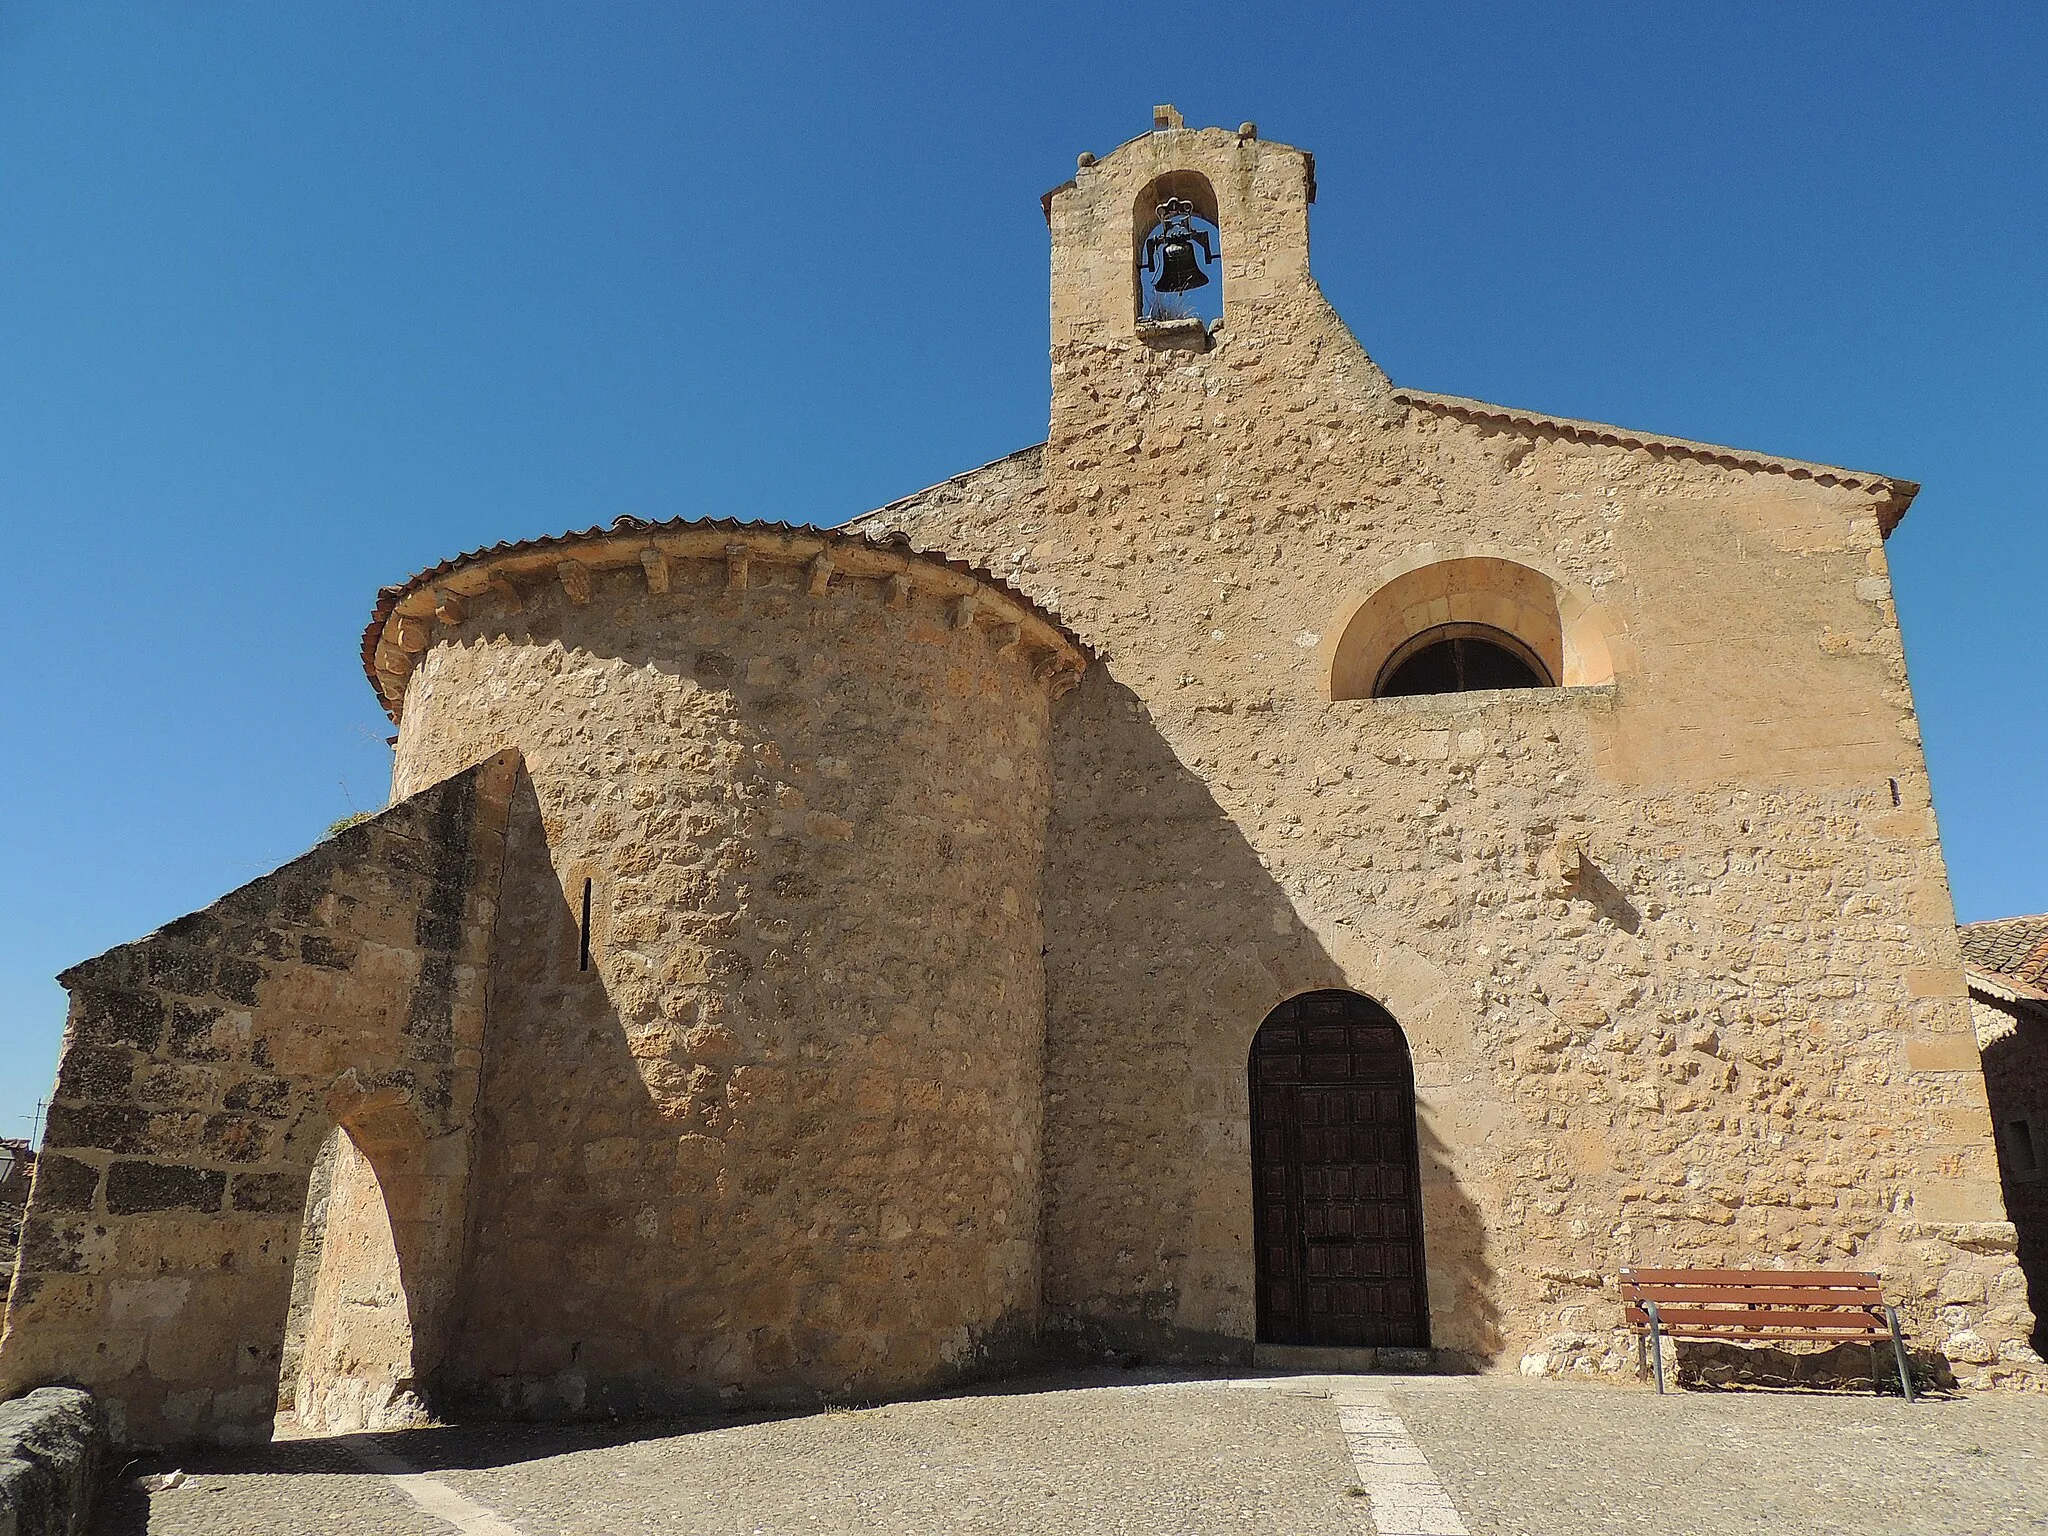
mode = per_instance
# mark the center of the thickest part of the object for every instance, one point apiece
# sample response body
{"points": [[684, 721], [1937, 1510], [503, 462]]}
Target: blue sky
{"points": [[296, 299]]}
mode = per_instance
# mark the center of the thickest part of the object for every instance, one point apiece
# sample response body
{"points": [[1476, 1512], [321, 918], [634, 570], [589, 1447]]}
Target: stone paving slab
{"points": [[1187, 1458], [1119, 1455], [1547, 1459]]}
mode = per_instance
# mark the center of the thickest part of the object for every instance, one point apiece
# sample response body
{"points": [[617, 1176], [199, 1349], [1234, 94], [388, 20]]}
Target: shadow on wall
{"points": [[584, 1263], [2015, 1061], [765, 1130], [1168, 943], [204, 1066]]}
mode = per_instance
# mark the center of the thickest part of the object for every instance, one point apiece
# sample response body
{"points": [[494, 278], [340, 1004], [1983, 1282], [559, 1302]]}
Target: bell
{"points": [[1178, 269]]}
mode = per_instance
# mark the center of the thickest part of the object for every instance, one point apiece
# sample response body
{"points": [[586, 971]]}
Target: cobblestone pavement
{"points": [[1120, 1455]]}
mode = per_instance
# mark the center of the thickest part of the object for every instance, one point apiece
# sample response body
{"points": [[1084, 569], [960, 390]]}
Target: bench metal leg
{"points": [[1891, 1315], [1656, 1341]]}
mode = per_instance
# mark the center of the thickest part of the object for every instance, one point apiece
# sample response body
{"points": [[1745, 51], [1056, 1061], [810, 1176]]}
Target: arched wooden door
{"points": [[1336, 1186]]}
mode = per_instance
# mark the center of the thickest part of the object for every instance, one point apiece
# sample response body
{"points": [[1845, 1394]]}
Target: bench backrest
{"points": [[1820, 1300]]}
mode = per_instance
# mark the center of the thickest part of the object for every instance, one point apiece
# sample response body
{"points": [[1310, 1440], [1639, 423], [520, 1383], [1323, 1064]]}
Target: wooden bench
{"points": [[1746, 1305]]}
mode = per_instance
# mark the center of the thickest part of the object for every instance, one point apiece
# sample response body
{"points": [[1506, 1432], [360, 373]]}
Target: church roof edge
{"points": [[1898, 493], [893, 544], [939, 485]]}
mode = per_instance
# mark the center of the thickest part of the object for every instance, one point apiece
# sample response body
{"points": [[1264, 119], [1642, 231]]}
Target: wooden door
{"points": [[1337, 1193]]}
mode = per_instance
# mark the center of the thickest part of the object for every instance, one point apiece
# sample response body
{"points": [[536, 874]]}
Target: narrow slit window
{"points": [[583, 933], [2020, 1148]]}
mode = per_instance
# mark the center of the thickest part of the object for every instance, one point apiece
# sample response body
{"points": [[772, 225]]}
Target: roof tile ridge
{"points": [[1997, 922], [2003, 985]]}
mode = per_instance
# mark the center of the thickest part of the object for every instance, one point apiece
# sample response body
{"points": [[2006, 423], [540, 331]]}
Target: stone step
{"points": [[1322, 1357]]}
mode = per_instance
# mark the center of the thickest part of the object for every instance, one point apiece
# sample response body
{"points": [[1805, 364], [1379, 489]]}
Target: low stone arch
{"points": [[378, 1270], [1578, 641], [202, 1069]]}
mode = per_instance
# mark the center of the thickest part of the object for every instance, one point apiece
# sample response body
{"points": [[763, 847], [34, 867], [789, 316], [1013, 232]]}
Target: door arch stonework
{"points": [[1336, 1179]]}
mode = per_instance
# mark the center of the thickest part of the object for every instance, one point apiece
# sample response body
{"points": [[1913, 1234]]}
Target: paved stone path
{"points": [[1558, 1459], [1120, 1455]]}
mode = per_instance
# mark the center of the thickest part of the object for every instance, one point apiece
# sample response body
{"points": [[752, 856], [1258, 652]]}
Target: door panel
{"points": [[1335, 1183]]}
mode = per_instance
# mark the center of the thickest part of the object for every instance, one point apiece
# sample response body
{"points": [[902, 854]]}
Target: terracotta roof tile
{"points": [[2015, 947], [389, 598]]}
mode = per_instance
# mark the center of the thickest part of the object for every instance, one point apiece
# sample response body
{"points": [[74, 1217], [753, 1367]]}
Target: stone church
{"points": [[1285, 861]]}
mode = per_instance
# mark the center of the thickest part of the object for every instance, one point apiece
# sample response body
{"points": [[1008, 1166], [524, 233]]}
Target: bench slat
{"points": [[1751, 1305], [1777, 1295], [1788, 1336], [1675, 1319], [1806, 1277]]}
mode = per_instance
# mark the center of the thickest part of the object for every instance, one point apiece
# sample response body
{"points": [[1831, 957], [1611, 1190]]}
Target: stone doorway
{"points": [[1336, 1186]]}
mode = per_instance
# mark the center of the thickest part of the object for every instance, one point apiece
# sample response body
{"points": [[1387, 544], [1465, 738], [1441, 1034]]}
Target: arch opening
{"points": [[1470, 622], [1459, 658], [1336, 1177], [371, 1236], [1175, 239]]}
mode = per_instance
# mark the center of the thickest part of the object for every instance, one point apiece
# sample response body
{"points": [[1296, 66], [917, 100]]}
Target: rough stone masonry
{"points": [[803, 964]]}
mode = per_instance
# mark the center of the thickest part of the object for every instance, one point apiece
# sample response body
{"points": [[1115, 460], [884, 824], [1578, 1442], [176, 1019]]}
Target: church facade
{"points": [[1286, 861]]}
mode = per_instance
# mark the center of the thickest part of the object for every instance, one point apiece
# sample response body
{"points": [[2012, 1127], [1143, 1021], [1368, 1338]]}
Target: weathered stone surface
{"points": [[767, 1124], [1672, 943], [65, 1184], [157, 1250], [52, 1442], [2012, 1034], [134, 1186], [871, 974]]}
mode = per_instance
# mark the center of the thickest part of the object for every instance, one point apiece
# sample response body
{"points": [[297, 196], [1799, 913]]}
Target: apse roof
{"points": [[388, 598]]}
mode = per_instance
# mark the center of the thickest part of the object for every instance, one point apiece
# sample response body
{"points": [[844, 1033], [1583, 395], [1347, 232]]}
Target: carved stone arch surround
{"points": [[1244, 986], [1583, 642]]}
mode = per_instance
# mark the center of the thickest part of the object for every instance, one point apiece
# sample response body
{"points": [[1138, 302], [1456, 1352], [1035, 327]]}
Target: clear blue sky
{"points": [[296, 299]]}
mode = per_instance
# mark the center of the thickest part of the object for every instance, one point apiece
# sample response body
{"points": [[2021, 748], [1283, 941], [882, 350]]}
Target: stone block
{"points": [[101, 1016], [53, 1442], [1942, 1053], [135, 1187], [272, 1193], [1936, 981], [65, 1184]]}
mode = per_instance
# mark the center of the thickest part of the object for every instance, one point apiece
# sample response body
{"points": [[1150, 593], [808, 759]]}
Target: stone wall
{"points": [[780, 1138], [2012, 1036], [1673, 946], [201, 1069]]}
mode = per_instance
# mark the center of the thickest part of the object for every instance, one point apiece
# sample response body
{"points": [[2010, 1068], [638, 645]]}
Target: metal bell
{"points": [[1178, 269], [1174, 245]]}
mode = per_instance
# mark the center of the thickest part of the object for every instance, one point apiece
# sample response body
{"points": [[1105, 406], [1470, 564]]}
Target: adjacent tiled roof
{"points": [[1898, 494], [2014, 949]]}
